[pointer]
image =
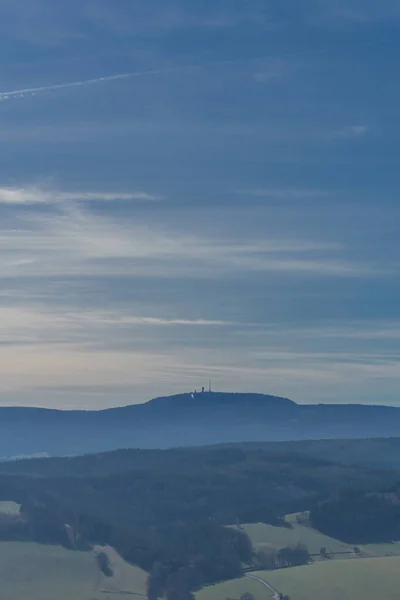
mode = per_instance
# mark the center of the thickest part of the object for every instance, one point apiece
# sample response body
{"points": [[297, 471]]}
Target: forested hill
{"points": [[188, 419], [166, 510], [360, 517]]}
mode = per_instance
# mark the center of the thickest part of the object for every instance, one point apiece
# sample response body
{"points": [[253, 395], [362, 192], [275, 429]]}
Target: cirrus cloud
{"points": [[31, 195]]}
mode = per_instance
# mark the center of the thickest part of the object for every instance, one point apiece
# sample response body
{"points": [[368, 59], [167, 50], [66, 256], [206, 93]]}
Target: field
{"points": [[9, 508], [234, 589], [126, 578], [376, 575], [356, 579], [41, 572], [268, 537]]}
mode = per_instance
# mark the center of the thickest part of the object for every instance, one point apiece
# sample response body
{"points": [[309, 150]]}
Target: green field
{"points": [[376, 575], [355, 579], [233, 589], [126, 579], [268, 537], [40, 572], [10, 508], [376, 550]]}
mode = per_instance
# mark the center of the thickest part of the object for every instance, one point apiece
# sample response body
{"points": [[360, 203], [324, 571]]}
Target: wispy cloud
{"points": [[271, 69], [130, 375], [50, 322], [77, 242], [115, 319], [284, 193], [361, 12], [349, 132], [38, 195]]}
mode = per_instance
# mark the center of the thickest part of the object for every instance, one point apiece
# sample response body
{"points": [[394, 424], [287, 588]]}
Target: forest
{"points": [[166, 511], [360, 517]]}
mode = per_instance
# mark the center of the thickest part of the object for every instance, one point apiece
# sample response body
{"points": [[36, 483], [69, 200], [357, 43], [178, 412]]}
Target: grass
{"points": [[376, 550], [268, 537], [41, 572], [355, 579], [377, 575], [233, 589], [126, 577], [10, 508]]}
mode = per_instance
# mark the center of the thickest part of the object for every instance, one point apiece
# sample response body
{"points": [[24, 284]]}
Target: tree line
{"points": [[360, 517]]}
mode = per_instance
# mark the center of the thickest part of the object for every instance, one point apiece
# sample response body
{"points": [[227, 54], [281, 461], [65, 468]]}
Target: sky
{"points": [[195, 189]]}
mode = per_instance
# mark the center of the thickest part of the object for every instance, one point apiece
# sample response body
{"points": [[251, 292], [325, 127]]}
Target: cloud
{"points": [[349, 13], [137, 374], [25, 196], [361, 11], [50, 322], [271, 69], [119, 356], [284, 193], [349, 132], [114, 319], [77, 242]]}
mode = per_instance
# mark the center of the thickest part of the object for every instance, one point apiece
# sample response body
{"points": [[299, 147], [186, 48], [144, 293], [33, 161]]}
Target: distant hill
{"points": [[188, 420]]}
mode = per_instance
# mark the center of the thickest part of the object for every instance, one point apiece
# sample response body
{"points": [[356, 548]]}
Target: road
{"points": [[275, 594]]}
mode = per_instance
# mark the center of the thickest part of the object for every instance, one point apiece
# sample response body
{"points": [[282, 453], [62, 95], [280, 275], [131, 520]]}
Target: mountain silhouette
{"points": [[191, 419]]}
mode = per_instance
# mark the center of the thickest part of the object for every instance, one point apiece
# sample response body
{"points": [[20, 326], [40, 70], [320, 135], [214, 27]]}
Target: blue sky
{"points": [[194, 189]]}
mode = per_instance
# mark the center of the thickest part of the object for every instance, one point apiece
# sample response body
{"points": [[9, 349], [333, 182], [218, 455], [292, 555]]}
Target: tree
{"points": [[176, 588], [293, 556], [266, 560], [104, 564], [247, 596]]}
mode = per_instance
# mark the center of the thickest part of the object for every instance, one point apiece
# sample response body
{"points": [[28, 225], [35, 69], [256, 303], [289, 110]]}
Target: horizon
{"points": [[199, 189], [194, 394]]}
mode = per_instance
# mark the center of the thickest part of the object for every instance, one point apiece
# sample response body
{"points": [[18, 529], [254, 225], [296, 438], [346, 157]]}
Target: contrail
{"points": [[61, 86], [129, 75], [72, 84], [108, 78]]}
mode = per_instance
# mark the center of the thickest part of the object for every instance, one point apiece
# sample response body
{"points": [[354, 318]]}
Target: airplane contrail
{"points": [[108, 78], [83, 83]]}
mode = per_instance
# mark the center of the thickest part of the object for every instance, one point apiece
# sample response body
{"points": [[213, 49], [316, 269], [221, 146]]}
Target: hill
{"points": [[268, 538], [45, 572], [188, 419], [167, 511], [376, 453], [356, 579]]}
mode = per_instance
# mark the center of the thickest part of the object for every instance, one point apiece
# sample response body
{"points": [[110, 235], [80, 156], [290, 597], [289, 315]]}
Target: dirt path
{"points": [[275, 594]]}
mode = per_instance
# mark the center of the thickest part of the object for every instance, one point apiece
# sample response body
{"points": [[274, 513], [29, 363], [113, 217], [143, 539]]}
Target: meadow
{"points": [[355, 579], [375, 575], [268, 537], [9, 508], [44, 572]]}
